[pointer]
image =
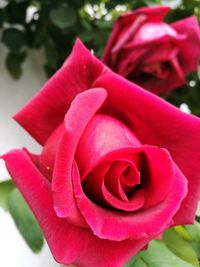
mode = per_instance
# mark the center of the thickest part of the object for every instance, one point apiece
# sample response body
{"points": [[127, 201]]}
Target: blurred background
{"points": [[50, 27], [35, 38]]}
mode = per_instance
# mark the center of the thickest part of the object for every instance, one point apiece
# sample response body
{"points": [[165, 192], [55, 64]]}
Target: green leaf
{"points": [[183, 232], [76, 3], [1, 17], [152, 2], [194, 231], [20, 1], [103, 24], [5, 188], [63, 16], [51, 53], [17, 1], [14, 64], [25, 221], [157, 255], [16, 12], [180, 247], [137, 262], [86, 24], [14, 39]]}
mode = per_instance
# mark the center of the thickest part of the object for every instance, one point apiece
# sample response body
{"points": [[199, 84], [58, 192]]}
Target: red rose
{"points": [[118, 166], [152, 53]]}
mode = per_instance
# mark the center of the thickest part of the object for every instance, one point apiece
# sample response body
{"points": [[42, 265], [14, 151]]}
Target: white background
{"points": [[14, 94]]}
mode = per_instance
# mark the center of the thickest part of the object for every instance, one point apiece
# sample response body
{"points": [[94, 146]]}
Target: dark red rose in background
{"points": [[118, 164], [152, 53]]}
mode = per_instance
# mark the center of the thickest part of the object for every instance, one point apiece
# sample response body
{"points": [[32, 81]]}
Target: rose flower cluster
{"points": [[156, 55], [119, 165]]}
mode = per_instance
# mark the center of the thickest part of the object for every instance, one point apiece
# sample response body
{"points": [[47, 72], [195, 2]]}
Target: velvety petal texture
{"points": [[67, 242], [81, 111], [118, 164], [140, 225], [154, 54], [157, 122]]}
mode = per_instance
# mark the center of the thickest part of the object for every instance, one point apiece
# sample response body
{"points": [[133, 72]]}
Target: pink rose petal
{"points": [[80, 113], [157, 122], [68, 243]]}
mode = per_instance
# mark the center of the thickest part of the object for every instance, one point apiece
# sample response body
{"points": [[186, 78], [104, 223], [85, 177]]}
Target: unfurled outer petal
{"points": [[37, 192], [48, 108], [157, 122], [82, 109], [69, 244]]}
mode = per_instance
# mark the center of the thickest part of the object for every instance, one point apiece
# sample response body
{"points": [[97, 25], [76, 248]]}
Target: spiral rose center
{"points": [[121, 178], [117, 171], [115, 184]]}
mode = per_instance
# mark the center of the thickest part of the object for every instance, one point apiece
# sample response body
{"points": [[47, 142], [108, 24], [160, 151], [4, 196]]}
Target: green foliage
{"points": [[158, 255], [63, 16], [1, 17], [14, 39], [13, 64], [188, 93], [12, 201], [25, 221], [5, 188], [194, 231], [179, 247], [54, 26], [29, 23]]}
